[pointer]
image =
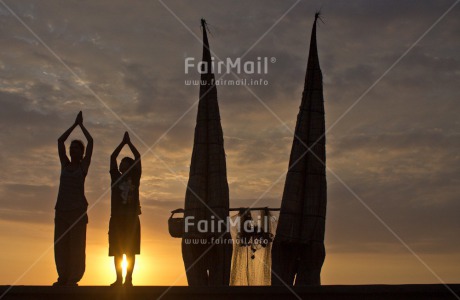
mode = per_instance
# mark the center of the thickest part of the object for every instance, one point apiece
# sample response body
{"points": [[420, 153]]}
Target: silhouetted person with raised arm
{"points": [[70, 217], [124, 227]]}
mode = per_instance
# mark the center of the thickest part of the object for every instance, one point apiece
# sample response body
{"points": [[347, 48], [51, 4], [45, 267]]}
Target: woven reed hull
{"points": [[207, 195], [298, 250], [305, 269], [303, 207], [207, 265]]}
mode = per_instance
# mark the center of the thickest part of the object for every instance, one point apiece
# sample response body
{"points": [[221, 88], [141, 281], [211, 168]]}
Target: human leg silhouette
{"points": [[61, 248], [131, 260], [77, 237], [118, 261]]}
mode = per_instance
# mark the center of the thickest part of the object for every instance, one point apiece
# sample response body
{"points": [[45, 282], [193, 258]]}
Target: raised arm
{"points": [[137, 155], [89, 148], [61, 142], [113, 157]]}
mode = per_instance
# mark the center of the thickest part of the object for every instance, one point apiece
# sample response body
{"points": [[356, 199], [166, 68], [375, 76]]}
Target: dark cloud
{"points": [[27, 203]]}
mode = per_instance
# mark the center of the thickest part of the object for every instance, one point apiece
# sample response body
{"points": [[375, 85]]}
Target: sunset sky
{"points": [[392, 150]]}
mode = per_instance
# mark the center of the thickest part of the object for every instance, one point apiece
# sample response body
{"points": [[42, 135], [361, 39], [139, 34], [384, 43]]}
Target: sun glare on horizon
{"points": [[124, 265]]}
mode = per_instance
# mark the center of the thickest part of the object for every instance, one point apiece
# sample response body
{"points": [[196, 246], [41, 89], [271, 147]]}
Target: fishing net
{"points": [[252, 234]]}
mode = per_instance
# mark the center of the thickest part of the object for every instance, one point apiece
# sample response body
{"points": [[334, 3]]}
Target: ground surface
{"points": [[364, 292]]}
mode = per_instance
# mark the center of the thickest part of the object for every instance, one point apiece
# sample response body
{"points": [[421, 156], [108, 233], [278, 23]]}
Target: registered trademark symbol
{"points": [[273, 60]]}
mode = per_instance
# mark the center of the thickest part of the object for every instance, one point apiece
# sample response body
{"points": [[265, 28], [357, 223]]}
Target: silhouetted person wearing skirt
{"points": [[70, 216], [124, 227]]}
